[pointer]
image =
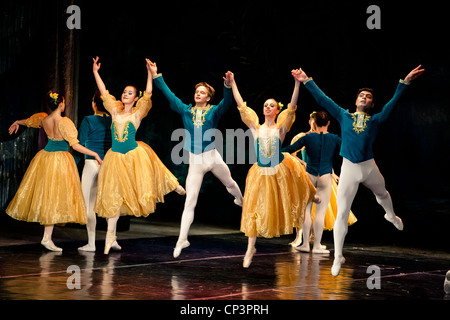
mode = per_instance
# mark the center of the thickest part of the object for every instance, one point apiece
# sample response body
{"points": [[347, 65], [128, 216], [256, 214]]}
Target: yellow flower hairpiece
{"points": [[280, 105], [312, 113], [54, 97]]}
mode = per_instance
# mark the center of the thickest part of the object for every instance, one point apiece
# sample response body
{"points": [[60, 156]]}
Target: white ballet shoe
{"points": [[447, 283], [396, 221], [179, 247], [248, 257], [49, 245], [115, 246], [180, 190], [87, 248], [303, 248], [336, 268], [110, 239], [298, 239], [238, 202], [320, 251]]}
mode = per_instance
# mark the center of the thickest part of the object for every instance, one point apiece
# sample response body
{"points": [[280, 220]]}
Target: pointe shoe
{"points": [[49, 245], [238, 202], [110, 239], [180, 190], [248, 257], [179, 247], [115, 246], [336, 268], [87, 248], [396, 221]]}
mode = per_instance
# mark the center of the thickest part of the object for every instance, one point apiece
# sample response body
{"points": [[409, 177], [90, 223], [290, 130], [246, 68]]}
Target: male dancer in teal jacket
{"points": [[203, 156], [358, 133]]}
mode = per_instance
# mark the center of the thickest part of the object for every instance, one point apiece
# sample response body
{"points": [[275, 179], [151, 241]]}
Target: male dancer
{"points": [[203, 156], [320, 149], [358, 132]]}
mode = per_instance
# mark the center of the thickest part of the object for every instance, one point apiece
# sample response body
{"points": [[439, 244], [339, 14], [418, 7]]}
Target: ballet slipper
{"points": [[180, 246], [303, 248], [248, 257], [320, 250], [396, 221], [87, 248], [110, 239], [115, 246], [336, 268], [49, 245], [238, 202], [447, 283], [180, 190], [298, 239]]}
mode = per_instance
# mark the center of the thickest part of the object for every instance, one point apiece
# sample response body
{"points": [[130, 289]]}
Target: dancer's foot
{"points": [[87, 248], [115, 246], [249, 257], [303, 248], [336, 268], [317, 199], [180, 190], [238, 202], [49, 245], [396, 221], [447, 283], [180, 246], [298, 239], [320, 250], [110, 239]]}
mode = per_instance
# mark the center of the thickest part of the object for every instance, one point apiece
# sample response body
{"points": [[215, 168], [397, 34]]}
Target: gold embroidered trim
{"points": [[360, 122], [199, 114], [124, 136]]}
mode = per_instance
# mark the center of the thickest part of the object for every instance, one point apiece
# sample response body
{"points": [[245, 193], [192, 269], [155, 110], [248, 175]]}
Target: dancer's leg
{"points": [[47, 239], [323, 186], [251, 250], [347, 188], [193, 184], [222, 172], [111, 232], [89, 187], [306, 229], [375, 182]]}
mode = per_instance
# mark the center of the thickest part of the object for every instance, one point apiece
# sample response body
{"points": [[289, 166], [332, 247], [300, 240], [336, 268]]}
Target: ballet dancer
{"points": [[203, 156], [132, 179], [94, 134], [277, 189], [50, 191], [359, 131]]}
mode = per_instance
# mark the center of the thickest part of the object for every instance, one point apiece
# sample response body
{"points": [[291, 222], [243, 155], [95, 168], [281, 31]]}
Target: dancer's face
{"points": [[129, 95], [271, 108], [364, 101], [201, 95]]}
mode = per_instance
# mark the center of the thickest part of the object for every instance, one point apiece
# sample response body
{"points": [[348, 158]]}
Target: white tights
{"points": [[323, 187], [199, 165], [89, 187], [352, 174]]}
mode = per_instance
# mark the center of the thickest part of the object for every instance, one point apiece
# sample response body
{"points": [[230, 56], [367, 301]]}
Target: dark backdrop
{"points": [[261, 42]]}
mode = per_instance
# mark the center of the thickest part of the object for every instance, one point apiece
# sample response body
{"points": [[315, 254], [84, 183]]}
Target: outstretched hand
{"points": [[229, 78], [415, 73], [299, 75], [97, 65], [14, 128], [151, 67]]}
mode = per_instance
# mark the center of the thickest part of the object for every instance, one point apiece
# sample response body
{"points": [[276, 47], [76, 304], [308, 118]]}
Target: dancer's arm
{"points": [[248, 116], [35, 121], [174, 102], [100, 84], [227, 100], [402, 85], [144, 104]]}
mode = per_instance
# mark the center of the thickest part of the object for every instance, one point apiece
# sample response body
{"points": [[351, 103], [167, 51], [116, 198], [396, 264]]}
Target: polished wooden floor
{"points": [[210, 269]]}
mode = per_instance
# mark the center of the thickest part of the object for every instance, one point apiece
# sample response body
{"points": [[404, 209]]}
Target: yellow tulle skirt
{"points": [[132, 183], [330, 215], [274, 204], [50, 191]]}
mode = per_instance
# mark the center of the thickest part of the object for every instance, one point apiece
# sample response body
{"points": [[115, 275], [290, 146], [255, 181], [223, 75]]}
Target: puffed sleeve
{"points": [[35, 121], [111, 103], [249, 116], [286, 119], [143, 106], [68, 131]]}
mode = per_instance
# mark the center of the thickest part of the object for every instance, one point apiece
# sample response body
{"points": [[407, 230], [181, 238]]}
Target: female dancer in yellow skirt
{"points": [[50, 191], [277, 189], [331, 211], [132, 178]]}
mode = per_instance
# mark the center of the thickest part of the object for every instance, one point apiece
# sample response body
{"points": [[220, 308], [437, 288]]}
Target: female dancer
{"points": [[277, 189], [133, 179], [50, 191]]}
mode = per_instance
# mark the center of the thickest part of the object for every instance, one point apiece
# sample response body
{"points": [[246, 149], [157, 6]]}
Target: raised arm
{"points": [[294, 98], [229, 79], [248, 116], [101, 86], [149, 88]]}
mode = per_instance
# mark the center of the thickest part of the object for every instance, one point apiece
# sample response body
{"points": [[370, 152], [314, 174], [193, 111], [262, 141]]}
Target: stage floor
{"points": [[210, 269]]}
